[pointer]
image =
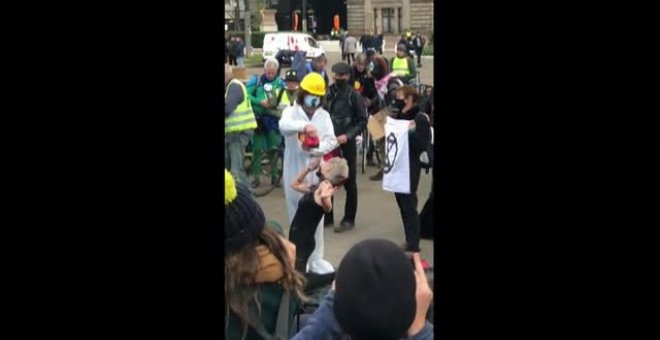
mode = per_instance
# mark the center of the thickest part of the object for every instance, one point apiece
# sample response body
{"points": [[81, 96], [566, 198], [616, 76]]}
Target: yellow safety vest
{"points": [[284, 101], [400, 66], [242, 118]]}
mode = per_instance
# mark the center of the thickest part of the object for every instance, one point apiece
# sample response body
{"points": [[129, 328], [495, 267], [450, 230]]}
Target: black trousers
{"points": [[419, 56], [349, 56], [349, 152], [426, 219], [303, 238], [408, 207]]}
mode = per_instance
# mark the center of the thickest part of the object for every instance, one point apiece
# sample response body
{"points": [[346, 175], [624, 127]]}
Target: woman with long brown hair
{"points": [[262, 287]]}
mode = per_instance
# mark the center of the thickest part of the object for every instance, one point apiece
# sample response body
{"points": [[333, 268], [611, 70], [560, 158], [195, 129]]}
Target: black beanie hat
{"points": [[244, 219], [375, 291]]}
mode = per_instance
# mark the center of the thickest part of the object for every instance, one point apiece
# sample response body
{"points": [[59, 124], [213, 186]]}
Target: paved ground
{"points": [[378, 214]]}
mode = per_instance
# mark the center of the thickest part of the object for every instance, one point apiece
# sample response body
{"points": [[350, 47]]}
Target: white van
{"points": [[294, 41]]}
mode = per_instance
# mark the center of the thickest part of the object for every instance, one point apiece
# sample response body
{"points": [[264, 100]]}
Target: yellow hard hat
{"points": [[314, 84]]}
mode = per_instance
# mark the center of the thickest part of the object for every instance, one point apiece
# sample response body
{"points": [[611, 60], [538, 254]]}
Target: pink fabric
{"points": [[381, 85]]}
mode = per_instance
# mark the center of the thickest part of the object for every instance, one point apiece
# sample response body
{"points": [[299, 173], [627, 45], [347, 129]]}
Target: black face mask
{"points": [[341, 82], [399, 104]]}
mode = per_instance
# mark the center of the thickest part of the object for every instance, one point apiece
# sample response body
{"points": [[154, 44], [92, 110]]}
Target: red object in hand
{"points": [[308, 142]]}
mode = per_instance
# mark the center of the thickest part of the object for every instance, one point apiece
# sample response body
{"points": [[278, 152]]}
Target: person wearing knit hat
{"points": [[378, 294], [259, 268]]}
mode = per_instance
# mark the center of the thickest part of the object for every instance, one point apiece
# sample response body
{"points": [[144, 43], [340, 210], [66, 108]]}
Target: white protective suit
{"points": [[293, 122]]}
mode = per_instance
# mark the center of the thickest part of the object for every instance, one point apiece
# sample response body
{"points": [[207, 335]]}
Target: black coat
{"points": [[346, 108]]}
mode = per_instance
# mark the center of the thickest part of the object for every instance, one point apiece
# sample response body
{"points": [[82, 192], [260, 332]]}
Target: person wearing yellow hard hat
{"points": [[307, 118]]}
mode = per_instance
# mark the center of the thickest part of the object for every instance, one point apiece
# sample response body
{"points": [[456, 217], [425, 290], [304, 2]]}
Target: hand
{"points": [[264, 103], [290, 250], [314, 164], [412, 125], [327, 190], [423, 295], [310, 130], [342, 139]]}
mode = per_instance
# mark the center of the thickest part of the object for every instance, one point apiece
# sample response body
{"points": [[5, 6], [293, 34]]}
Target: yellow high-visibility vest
{"points": [[400, 66], [284, 101], [242, 118]]}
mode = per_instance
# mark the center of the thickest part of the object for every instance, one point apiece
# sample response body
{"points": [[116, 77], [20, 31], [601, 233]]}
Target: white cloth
{"points": [[396, 174], [293, 122]]}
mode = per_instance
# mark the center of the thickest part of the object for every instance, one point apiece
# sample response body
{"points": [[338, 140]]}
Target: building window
{"points": [[388, 20]]}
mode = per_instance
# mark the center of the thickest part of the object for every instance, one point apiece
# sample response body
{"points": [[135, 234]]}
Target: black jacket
{"points": [[348, 115], [367, 86]]}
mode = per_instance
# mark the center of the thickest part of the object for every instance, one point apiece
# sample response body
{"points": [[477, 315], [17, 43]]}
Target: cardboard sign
{"points": [[376, 124]]}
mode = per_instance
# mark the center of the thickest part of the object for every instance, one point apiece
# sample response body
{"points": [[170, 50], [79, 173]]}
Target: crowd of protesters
{"points": [[269, 276]]}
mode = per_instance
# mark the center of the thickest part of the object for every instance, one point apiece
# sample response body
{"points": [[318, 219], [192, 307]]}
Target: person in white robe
{"points": [[306, 116]]}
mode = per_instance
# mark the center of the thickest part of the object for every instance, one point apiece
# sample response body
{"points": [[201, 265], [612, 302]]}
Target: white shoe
{"points": [[319, 266]]}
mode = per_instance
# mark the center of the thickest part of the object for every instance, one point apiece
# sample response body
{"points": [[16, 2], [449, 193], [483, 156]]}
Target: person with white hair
{"points": [[263, 92], [315, 202], [239, 124]]}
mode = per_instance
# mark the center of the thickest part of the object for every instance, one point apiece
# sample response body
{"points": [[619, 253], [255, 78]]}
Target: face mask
{"points": [[340, 82], [312, 101], [399, 104]]}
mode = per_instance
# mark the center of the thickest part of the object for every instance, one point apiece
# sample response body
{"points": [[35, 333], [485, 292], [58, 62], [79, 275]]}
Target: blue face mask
{"points": [[312, 101]]}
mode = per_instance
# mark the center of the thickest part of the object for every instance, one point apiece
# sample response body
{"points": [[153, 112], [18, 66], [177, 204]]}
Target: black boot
{"points": [[318, 280], [377, 177]]}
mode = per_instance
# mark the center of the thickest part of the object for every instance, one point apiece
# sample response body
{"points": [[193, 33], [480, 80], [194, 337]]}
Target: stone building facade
{"points": [[389, 16]]}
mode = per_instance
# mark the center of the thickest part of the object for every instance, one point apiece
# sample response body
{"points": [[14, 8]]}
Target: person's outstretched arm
{"points": [[299, 183]]}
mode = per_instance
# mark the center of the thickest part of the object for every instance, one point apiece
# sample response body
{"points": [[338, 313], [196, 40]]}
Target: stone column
{"points": [[368, 16], [405, 14], [395, 25]]}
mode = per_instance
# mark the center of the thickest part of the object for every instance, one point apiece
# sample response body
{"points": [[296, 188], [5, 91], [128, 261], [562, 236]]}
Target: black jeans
{"points": [[419, 56], [349, 152], [349, 56], [303, 238], [408, 207], [426, 216]]}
